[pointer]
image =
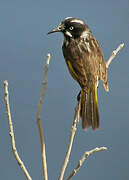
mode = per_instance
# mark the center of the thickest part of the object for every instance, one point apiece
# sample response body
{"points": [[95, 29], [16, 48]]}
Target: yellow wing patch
{"points": [[73, 73], [95, 89]]}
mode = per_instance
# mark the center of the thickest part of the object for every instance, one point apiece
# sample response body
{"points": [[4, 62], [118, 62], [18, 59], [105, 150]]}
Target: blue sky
{"points": [[24, 45]]}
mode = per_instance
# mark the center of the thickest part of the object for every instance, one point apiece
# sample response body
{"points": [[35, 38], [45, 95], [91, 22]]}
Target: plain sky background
{"points": [[24, 44]]}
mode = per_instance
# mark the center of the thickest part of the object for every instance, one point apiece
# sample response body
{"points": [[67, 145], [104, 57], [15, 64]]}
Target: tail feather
{"points": [[89, 108]]}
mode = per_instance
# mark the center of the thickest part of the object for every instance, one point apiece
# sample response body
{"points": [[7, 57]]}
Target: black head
{"points": [[72, 28]]}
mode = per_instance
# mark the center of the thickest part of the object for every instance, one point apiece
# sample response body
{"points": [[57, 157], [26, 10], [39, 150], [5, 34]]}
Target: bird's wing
{"points": [[85, 61]]}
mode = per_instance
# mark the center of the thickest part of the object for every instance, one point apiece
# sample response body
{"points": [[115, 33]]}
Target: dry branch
{"points": [[73, 131], [11, 133], [114, 53], [42, 142], [84, 157]]}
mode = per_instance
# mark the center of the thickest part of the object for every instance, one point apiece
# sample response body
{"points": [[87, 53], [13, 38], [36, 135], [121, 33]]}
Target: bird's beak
{"points": [[58, 29]]}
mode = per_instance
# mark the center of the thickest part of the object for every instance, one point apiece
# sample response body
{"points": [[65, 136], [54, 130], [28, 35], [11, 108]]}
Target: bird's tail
{"points": [[89, 108]]}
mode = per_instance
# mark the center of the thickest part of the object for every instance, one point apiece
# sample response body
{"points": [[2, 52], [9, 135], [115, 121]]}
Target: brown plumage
{"points": [[89, 66], [86, 64]]}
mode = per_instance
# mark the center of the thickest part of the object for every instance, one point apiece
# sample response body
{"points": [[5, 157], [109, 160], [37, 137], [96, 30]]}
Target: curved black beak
{"points": [[54, 30], [58, 29]]}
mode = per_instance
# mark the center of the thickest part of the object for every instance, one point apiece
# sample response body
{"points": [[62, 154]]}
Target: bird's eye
{"points": [[71, 28]]}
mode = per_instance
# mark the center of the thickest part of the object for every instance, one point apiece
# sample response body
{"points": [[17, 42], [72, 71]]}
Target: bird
{"points": [[85, 61]]}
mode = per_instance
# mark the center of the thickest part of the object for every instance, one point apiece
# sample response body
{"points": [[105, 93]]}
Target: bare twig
{"points": [[84, 157], [114, 53], [42, 142], [73, 131], [11, 133]]}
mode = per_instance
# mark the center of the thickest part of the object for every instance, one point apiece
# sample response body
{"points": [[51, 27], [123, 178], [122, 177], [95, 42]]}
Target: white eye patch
{"points": [[68, 33], [71, 28]]}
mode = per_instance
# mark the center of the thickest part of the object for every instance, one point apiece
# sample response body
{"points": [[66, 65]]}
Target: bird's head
{"points": [[72, 28]]}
